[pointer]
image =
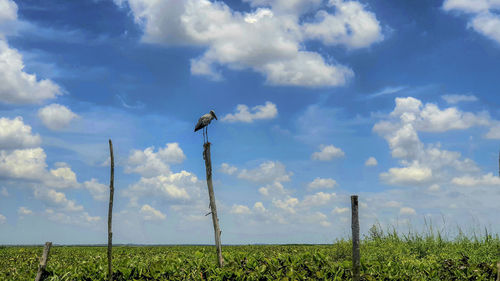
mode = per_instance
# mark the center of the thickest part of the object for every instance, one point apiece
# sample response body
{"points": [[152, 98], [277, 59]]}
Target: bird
{"points": [[203, 123]]}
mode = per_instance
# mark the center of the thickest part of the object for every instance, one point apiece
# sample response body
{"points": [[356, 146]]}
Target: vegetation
{"points": [[384, 256]]}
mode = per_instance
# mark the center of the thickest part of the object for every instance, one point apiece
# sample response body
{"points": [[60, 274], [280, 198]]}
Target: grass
{"points": [[385, 255]]}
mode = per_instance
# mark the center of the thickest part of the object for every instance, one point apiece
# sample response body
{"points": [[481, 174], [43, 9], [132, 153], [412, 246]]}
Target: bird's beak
{"points": [[215, 117]]}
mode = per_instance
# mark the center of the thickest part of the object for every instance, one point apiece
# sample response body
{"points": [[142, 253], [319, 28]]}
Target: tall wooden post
{"points": [[110, 212], [43, 261], [213, 208], [356, 263]]}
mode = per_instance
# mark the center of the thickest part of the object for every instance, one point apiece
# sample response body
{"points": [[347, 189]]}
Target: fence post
{"points": [[110, 212], [498, 271], [43, 261], [213, 208], [356, 263]]}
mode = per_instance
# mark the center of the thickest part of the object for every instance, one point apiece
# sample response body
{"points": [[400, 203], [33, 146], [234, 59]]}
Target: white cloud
{"points": [[494, 132], [392, 204], [483, 17], [287, 205], [273, 189], [150, 214], [3, 219], [170, 187], [407, 211], [327, 153], [485, 180], [338, 210], [24, 211], [267, 172], [240, 209], [370, 162], [56, 116], [8, 11], [434, 187], [454, 99], [23, 163], [413, 174], [259, 112], [259, 207], [15, 134], [19, 87], [62, 177], [228, 169], [148, 163], [351, 25], [424, 165], [317, 199], [322, 183], [98, 190], [268, 40], [57, 199]]}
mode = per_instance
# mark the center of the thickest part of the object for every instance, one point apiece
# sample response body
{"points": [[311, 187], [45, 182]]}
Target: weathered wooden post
{"points": [[356, 263], [110, 212], [213, 208], [498, 271], [43, 261]]}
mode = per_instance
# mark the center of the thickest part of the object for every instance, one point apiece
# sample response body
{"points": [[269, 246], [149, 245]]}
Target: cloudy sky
{"points": [[396, 101]]}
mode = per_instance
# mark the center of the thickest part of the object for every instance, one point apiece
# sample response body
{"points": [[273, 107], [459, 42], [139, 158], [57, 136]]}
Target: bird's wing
{"points": [[199, 125]]}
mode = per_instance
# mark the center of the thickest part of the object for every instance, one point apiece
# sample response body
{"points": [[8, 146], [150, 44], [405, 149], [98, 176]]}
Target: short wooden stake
{"points": [[498, 271], [43, 261], [356, 263], [110, 212], [213, 208]]}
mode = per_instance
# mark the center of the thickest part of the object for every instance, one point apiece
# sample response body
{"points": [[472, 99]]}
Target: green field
{"points": [[384, 257]]}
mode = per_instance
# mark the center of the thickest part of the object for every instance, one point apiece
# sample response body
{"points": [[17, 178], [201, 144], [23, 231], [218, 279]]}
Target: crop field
{"points": [[384, 257]]}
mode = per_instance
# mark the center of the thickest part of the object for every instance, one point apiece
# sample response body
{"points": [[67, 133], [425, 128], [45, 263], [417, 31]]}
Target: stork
{"points": [[203, 123]]}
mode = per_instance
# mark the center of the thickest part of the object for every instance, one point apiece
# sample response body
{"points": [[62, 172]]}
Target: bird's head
{"points": [[213, 114]]}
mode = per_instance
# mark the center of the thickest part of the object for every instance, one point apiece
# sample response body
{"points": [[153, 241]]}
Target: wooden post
{"points": [[43, 261], [498, 271], [213, 208], [110, 212], [356, 263]]}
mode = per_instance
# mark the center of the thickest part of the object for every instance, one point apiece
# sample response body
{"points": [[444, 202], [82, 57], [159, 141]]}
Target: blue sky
{"points": [[395, 101]]}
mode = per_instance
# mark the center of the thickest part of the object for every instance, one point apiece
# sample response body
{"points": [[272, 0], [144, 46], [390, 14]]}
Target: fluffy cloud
{"points": [[259, 112], [287, 204], [23, 211], [494, 132], [338, 210], [228, 169], [8, 11], [240, 209], [56, 116], [19, 87], [454, 99], [407, 211], [327, 153], [370, 162], [484, 18], [318, 183], [148, 163], [267, 172], [268, 40], [485, 180], [23, 164], [15, 134], [3, 219], [317, 199], [273, 189], [351, 25], [57, 199], [150, 214], [98, 190], [422, 165]]}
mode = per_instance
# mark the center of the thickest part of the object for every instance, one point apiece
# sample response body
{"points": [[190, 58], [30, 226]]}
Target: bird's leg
{"points": [[207, 132], [203, 130]]}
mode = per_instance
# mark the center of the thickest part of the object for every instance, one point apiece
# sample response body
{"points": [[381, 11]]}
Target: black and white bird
{"points": [[203, 123]]}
